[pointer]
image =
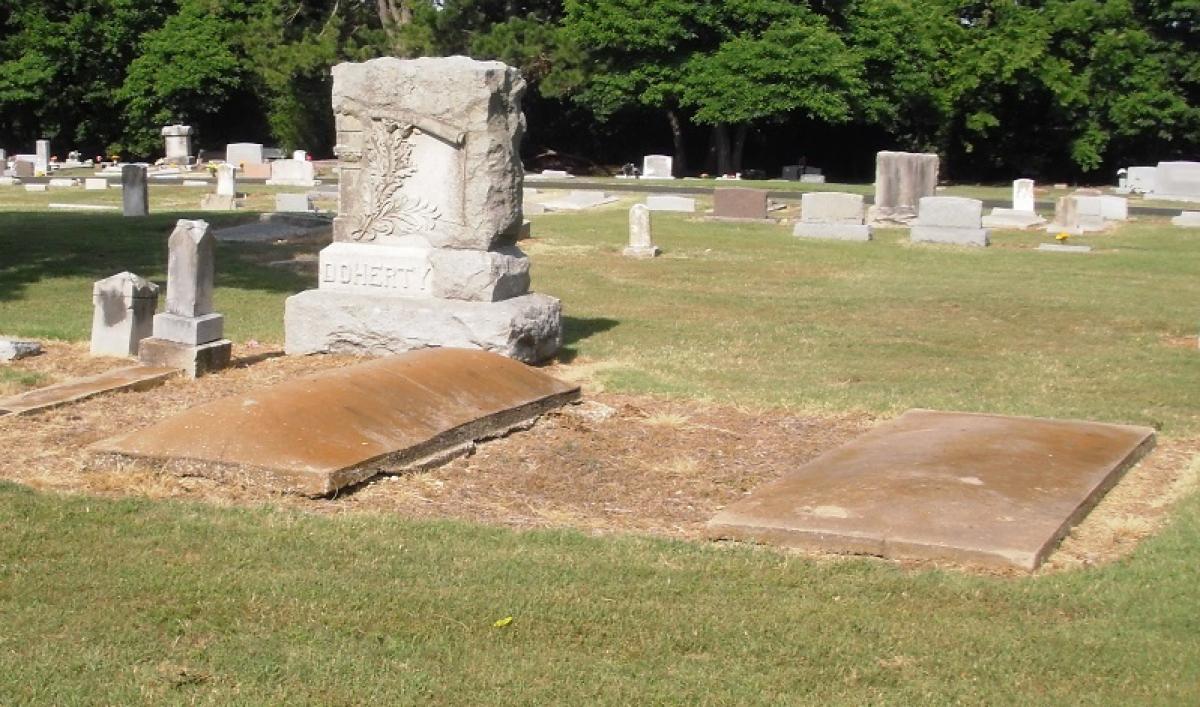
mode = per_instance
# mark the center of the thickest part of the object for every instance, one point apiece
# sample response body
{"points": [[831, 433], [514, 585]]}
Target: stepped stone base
{"points": [[833, 231], [949, 234], [195, 361], [526, 328]]}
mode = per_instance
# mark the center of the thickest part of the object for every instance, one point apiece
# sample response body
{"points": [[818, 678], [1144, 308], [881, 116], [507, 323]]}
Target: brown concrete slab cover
{"points": [[968, 487], [322, 432], [128, 378]]}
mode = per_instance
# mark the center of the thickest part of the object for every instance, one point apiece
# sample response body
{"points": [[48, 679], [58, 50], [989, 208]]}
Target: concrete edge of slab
{"points": [[131, 378], [433, 452]]}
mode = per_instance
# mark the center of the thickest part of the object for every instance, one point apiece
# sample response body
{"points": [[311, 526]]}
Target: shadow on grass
{"points": [[576, 329], [35, 246]]}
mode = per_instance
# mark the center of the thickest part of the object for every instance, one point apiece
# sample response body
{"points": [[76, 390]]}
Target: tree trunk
{"points": [[393, 13], [724, 156], [739, 144], [679, 163]]}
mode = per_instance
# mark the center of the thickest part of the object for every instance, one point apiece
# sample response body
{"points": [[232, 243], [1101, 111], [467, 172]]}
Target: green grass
{"points": [[143, 602], [117, 602]]}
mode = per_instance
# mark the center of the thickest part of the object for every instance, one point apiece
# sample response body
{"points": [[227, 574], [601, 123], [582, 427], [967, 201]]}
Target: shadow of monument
{"points": [[576, 329]]}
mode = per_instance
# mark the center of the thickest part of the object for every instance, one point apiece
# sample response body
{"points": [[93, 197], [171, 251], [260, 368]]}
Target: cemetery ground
{"points": [[734, 357]]}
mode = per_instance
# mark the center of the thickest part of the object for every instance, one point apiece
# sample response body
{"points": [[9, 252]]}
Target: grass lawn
{"points": [[141, 601]]}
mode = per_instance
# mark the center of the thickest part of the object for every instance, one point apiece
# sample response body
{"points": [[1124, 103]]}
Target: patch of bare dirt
{"points": [[616, 463]]}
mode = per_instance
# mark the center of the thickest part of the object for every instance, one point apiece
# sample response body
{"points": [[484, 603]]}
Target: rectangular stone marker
{"points": [[832, 215], [293, 173], [95, 184], [429, 206], [641, 244], [902, 179], [950, 219], [37, 187], [123, 314], [73, 391], [326, 431], [1089, 212], [1011, 218], [1059, 248], [974, 488], [1141, 180], [667, 202], [188, 334], [226, 180], [177, 141], [1177, 181], [42, 162], [22, 168], [293, 203], [135, 196], [740, 204], [243, 154], [1187, 219], [1114, 208], [657, 167], [1022, 195], [580, 199]]}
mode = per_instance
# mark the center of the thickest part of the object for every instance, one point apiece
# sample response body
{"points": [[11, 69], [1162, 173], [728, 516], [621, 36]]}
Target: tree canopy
{"points": [[998, 87]]}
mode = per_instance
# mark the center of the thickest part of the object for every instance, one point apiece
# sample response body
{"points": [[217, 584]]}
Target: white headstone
{"points": [[42, 153], [657, 167], [294, 173], [902, 179], [95, 184], [189, 318], [177, 141], [1177, 181], [300, 155], [243, 153], [832, 215], [1140, 180], [1187, 219], [293, 203], [641, 244], [1022, 195], [226, 180], [123, 314], [1114, 208], [950, 219]]}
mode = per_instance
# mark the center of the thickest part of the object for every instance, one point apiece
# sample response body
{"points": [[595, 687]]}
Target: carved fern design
{"points": [[388, 166]]}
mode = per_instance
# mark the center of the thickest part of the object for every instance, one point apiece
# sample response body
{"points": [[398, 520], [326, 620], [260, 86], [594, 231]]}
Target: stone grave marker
{"points": [[242, 154], [95, 184], [579, 199], [641, 245], [668, 202], [1090, 212], [1114, 208], [22, 169], [177, 141], [1187, 219], [14, 349], [902, 179], [657, 167], [189, 334], [292, 173], [1177, 181], [293, 203], [833, 215], [37, 187], [1140, 180], [42, 161], [428, 209], [62, 183], [1022, 195], [1022, 213], [949, 219], [135, 196], [225, 198], [123, 314], [740, 204], [1066, 216]]}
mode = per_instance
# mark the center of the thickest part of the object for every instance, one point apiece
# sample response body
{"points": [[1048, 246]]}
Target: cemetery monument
{"points": [[834, 215], [123, 314], [177, 141], [949, 219], [641, 245], [902, 179]]}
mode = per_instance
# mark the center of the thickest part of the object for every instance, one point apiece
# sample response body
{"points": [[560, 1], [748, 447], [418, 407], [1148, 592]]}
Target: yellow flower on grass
{"points": [[501, 623], [1062, 236]]}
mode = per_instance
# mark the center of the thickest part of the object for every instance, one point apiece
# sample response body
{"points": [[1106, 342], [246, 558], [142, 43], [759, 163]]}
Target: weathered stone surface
{"points": [[41, 162], [36, 187], [1066, 216], [1089, 211], [1114, 208], [191, 266], [194, 361], [135, 192], [255, 170], [657, 167], [22, 168], [123, 314], [1177, 181], [1022, 195], [641, 243], [62, 183], [1141, 180], [1187, 219], [949, 219], [902, 179], [295, 173], [226, 180], [740, 203], [192, 331], [131, 378], [320, 433], [1011, 218], [967, 487], [218, 202], [477, 275], [1059, 248], [833, 231], [578, 200], [667, 202], [428, 147], [95, 184], [527, 328], [293, 203], [14, 349], [832, 207], [242, 154], [177, 141]]}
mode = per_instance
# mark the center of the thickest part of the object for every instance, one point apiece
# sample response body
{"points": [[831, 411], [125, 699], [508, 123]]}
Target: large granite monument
{"points": [[429, 205], [902, 179], [177, 143]]}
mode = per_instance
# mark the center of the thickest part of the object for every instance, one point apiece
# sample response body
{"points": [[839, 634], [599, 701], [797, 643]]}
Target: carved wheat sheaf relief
{"points": [[388, 166]]}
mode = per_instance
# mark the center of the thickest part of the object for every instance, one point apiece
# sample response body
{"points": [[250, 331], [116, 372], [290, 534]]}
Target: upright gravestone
{"points": [[657, 167], [1141, 180], [225, 199], [1022, 213], [833, 215], [949, 219], [292, 173], [641, 245], [177, 141], [902, 179], [123, 314], [740, 204], [188, 334], [1066, 216], [1177, 181], [429, 205], [135, 194], [1022, 195], [241, 154], [41, 163], [22, 168]]}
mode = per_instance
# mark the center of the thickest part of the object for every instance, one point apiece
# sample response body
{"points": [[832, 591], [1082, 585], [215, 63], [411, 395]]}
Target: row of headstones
{"points": [[188, 335], [1172, 181], [663, 166]]}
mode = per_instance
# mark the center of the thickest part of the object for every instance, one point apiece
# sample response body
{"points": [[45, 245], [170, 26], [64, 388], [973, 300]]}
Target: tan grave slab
{"points": [[982, 489], [129, 378], [317, 434]]}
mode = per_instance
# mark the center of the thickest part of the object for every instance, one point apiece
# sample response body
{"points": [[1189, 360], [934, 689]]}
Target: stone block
{"points": [[14, 349], [226, 180], [1187, 219], [62, 183], [1023, 195], [902, 179], [1012, 218], [122, 315], [812, 179], [257, 170], [177, 142], [1089, 212], [1177, 181], [1141, 180], [478, 275], [297, 173], [527, 328], [428, 147], [668, 202], [954, 235], [194, 361], [831, 208], [36, 187], [191, 265], [740, 203], [641, 244], [578, 200], [1114, 208], [22, 169], [833, 231], [240, 154], [218, 202], [657, 167], [135, 192], [95, 184], [189, 330], [950, 211], [293, 203], [1060, 248]]}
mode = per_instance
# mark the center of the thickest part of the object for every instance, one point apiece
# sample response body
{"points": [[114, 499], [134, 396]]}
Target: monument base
{"points": [[194, 360], [218, 202], [526, 328], [949, 234], [637, 251], [1012, 218], [833, 231]]}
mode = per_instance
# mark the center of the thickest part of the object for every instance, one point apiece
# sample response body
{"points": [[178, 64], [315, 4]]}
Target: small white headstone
{"points": [[641, 244], [949, 219], [1187, 219], [293, 203], [63, 183], [657, 167], [226, 180], [832, 215], [1022, 195], [36, 187], [1114, 208], [1140, 180], [123, 314], [42, 157], [95, 184], [242, 153]]}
